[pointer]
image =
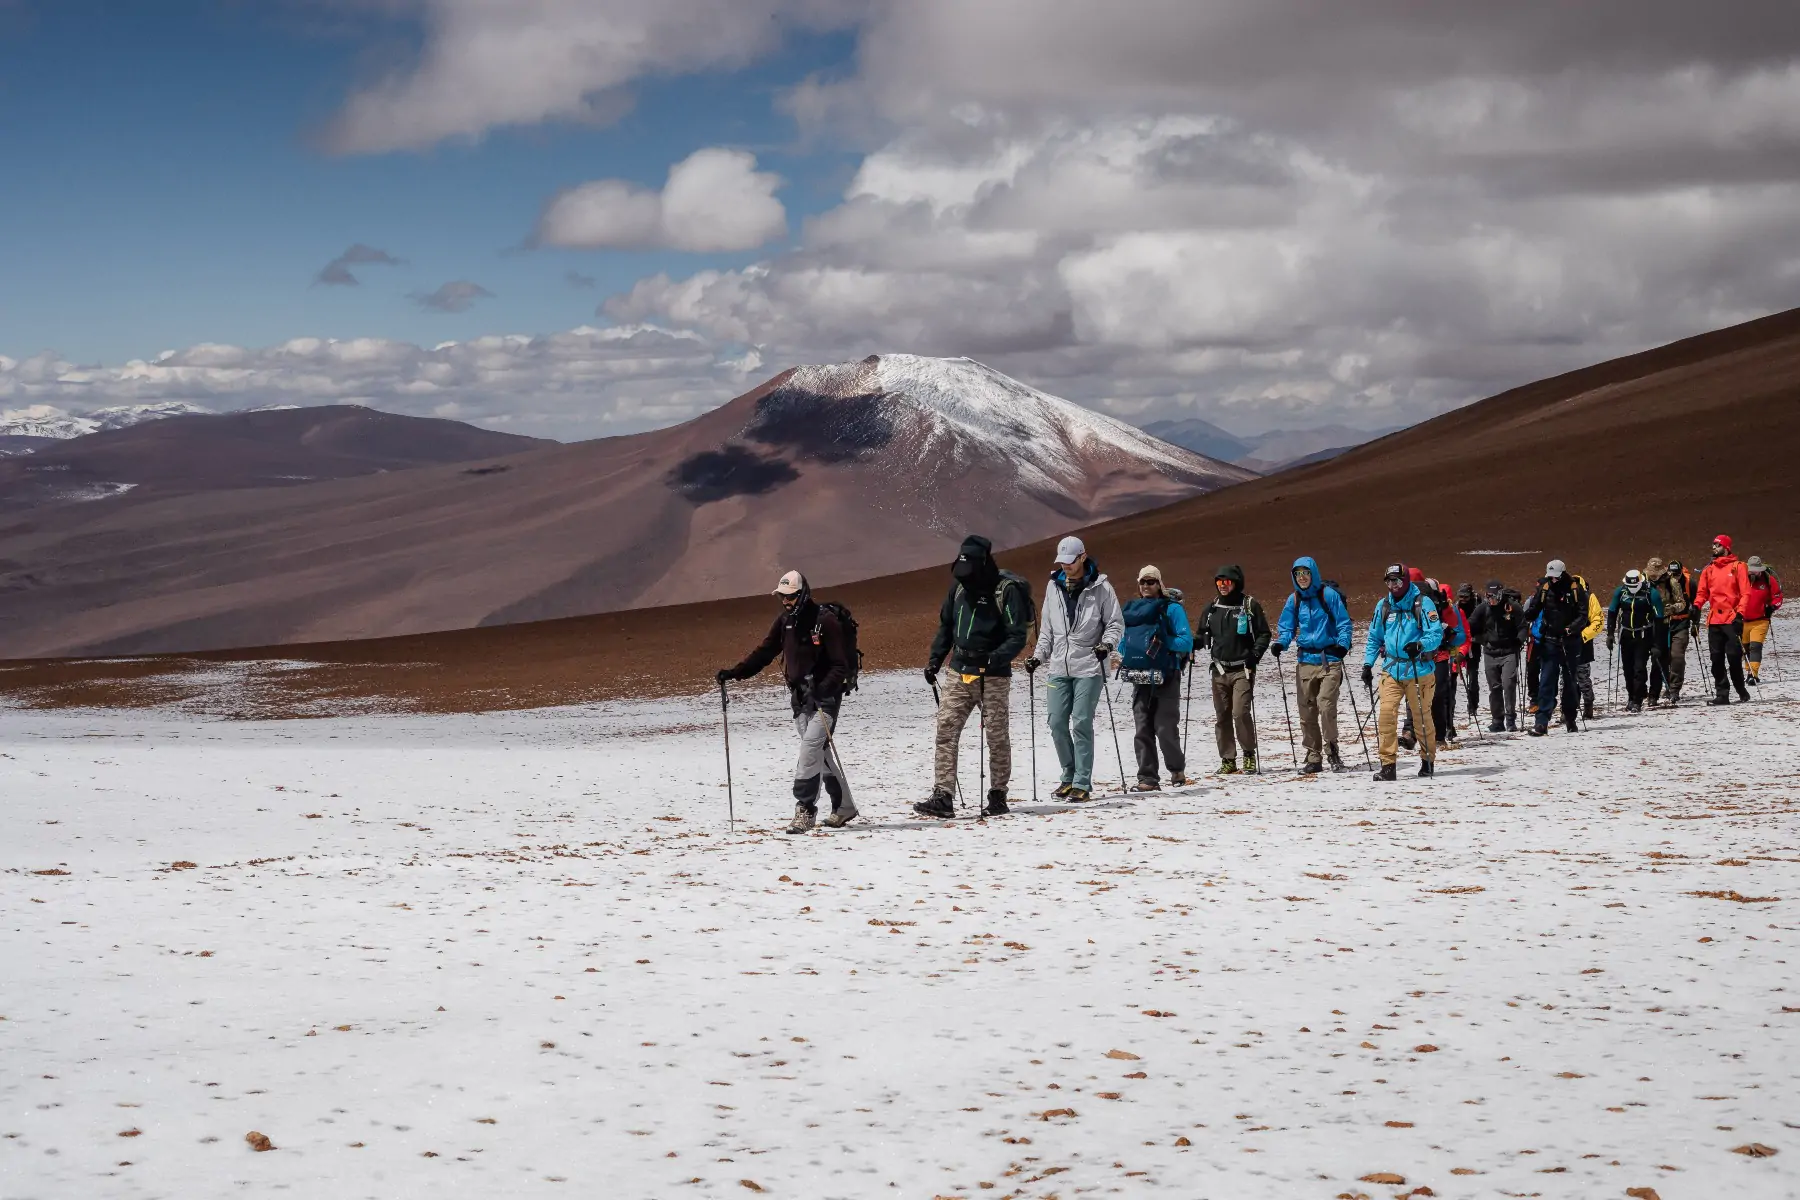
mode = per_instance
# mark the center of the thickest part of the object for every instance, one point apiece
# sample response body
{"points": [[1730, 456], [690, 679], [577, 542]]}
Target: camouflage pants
{"points": [[991, 694]]}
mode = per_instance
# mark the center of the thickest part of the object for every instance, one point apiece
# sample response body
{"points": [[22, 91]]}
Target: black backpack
{"points": [[847, 624], [1008, 578]]}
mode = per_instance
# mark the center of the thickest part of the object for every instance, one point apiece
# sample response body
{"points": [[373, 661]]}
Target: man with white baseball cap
{"points": [[1079, 623]]}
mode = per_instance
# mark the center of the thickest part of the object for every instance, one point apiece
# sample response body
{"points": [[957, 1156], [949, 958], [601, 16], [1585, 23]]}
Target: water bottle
{"points": [[1243, 621]]}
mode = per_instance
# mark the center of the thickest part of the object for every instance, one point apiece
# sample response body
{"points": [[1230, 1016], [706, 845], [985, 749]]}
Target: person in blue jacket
{"points": [[1156, 649], [1315, 617], [1405, 632]]}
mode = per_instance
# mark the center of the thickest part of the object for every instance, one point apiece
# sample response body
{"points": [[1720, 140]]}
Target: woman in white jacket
{"points": [[1079, 623]]}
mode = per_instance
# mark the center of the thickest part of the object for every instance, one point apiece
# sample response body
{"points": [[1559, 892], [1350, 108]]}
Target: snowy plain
{"points": [[520, 954]]}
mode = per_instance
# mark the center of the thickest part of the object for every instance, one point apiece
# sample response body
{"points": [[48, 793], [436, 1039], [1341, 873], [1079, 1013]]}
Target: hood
{"points": [[975, 567], [1312, 591], [1235, 574]]}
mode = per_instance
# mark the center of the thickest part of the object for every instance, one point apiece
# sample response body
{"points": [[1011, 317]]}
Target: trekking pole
{"points": [[1612, 695], [730, 799], [1368, 763], [1424, 725], [981, 744], [1031, 699], [1187, 706], [1281, 682], [1115, 728]]}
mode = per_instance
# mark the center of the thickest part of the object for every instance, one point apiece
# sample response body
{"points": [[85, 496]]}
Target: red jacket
{"points": [[1725, 587], [1761, 599]]}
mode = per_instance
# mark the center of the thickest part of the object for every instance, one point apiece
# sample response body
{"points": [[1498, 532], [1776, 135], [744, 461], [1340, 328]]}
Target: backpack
{"points": [[1010, 577], [847, 623], [1144, 648]]}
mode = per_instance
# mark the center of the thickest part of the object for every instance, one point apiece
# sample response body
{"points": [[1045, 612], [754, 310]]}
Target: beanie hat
{"points": [[1150, 573], [1724, 539]]}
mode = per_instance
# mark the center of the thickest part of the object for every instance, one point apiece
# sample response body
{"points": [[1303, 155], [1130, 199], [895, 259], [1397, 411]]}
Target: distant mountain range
{"points": [[1262, 452]]}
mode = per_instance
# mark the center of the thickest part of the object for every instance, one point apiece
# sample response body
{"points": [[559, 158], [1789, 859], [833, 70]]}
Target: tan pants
{"points": [[1232, 694], [1416, 694], [1316, 689], [992, 694]]}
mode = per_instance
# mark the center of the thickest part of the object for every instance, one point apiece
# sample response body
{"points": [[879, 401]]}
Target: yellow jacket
{"points": [[1596, 616]]}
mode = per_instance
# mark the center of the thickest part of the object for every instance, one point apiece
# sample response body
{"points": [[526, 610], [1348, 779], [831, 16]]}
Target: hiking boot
{"points": [[1572, 726], [1743, 695], [1721, 697], [804, 819], [1387, 774], [1180, 779], [1496, 726], [1674, 697], [1587, 710], [841, 815], [1331, 757], [1250, 765], [1751, 679], [1635, 706], [1408, 741], [1427, 769], [1227, 766], [996, 803], [1538, 730], [1078, 795], [1063, 790], [1147, 785], [1312, 768], [942, 805]]}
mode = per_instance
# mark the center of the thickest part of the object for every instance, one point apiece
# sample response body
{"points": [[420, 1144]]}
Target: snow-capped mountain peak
{"points": [[48, 421]]}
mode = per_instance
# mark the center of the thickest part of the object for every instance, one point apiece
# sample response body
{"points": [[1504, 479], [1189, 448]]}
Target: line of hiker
{"points": [[1423, 651]]}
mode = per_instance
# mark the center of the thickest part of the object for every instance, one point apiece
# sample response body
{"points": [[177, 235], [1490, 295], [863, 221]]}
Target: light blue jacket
{"points": [[1322, 618], [1413, 618]]}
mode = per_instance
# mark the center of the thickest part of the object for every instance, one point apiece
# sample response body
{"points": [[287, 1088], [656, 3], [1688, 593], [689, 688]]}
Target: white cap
{"points": [[791, 584], [1069, 549], [1557, 569], [1633, 576]]}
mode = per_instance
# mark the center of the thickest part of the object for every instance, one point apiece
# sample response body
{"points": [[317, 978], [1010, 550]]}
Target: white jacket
{"points": [[1067, 647]]}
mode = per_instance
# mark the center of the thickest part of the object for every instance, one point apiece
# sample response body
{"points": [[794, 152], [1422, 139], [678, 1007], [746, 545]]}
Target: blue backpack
{"points": [[1145, 646]]}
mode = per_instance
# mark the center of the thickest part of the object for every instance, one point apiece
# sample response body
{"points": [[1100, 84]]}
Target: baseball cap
{"points": [[1069, 549], [1395, 572], [791, 584], [1557, 569], [1149, 573]]}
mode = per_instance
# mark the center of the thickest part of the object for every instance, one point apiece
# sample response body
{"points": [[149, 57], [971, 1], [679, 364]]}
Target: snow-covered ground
{"points": [[519, 955]]}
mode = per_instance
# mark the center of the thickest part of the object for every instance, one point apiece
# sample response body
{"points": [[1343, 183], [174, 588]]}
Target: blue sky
{"points": [[163, 186], [1157, 210]]}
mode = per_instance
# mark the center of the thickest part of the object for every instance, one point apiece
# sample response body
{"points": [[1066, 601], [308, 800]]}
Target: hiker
{"points": [[1668, 660], [1723, 590], [1560, 609], [1498, 629], [1408, 737], [1316, 619], [1156, 649], [1236, 629], [1635, 618], [816, 660], [1467, 602], [982, 626], [1079, 624], [1404, 633], [1448, 662], [1590, 633], [1760, 603]]}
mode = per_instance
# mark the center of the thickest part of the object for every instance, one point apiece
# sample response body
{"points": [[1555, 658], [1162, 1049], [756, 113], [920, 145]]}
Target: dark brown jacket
{"points": [[811, 645]]}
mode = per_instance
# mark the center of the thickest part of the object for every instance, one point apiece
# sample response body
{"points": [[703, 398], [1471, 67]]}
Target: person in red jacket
{"points": [[1760, 603], [1723, 591]]}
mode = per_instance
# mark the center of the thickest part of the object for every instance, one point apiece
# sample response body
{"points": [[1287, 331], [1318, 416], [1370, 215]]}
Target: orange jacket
{"points": [[1724, 585]]}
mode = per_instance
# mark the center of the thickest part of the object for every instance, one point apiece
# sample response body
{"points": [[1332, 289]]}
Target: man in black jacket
{"points": [[982, 626], [1234, 626], [1561, 600], [1498, 627], [816, 662]]}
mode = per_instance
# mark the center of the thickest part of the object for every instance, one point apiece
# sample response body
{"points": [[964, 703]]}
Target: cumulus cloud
{"points": [[486, 64], [459, 295], [584, 382], [337, 273], [713, 200]]}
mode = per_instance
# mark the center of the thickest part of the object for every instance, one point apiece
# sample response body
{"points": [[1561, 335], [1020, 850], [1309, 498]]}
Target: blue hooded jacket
{"points": [[1394, 625], [1322, 618]]}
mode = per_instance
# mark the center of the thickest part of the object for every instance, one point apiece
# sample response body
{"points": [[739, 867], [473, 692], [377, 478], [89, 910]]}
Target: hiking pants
{"points": [[1472, 680], [1584, 680], [1316, 687], [1233, 711], [816, 723], [992, 695], [1156, 711], [1668, 664], [1559, 659], [1503, 686], [1755, 634], [1416, 695], [1634, 660], [1443, 702], [1727, 647], [1071, 701]]}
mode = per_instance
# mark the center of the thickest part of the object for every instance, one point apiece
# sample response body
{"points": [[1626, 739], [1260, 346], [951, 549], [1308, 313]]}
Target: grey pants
{"points": [[1503, 686], [818, 760], [1156, 711], [1584, 679]]}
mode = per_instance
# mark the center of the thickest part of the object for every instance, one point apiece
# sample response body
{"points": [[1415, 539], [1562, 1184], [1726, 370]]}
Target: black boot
{"points": [[1311, 768], [1387, 774], [1496, 726], [1722, 696], [1426, 769], [941, 805], [1332, 759], [996, 803]]}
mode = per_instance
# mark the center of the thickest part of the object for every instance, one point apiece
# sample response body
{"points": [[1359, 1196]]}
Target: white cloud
{"points": [[714, 200]]}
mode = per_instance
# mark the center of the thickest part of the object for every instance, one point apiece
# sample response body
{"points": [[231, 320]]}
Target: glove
{"points": [[1336, 651], [931, 676], [1609, 643], [1102, 650], [1275, 648], [1032, 664], [1412, 649], [1368, 675], [724, 674]]}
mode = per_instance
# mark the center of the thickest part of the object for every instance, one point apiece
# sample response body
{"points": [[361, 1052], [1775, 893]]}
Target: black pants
{"points": [[1726, 642], [1472, 679], [1635, 650], [1443, 704], [1557, 659], [1157, 714]]}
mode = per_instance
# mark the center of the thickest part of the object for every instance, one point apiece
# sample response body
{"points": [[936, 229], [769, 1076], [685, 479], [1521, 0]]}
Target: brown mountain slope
{"points": [[858, 470], [1605, 466]]}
